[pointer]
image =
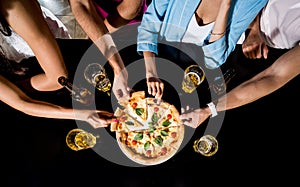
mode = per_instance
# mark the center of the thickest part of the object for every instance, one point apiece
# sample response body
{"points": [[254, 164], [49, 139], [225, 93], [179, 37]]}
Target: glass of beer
{"points": [[219, 85], [207, 145], [79, 139], [193, 77], [96, 75]]}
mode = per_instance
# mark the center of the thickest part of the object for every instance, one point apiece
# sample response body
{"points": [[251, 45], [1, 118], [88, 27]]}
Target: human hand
{"points": [[194, 118], [155, 87], [120, 85], [254, 47], [96, 118]]}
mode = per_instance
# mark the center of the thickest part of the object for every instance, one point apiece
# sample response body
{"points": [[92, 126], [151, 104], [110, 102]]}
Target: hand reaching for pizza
{"points": [[155, 87], [120, 85], [154, 84], [194, 118], [98, 119]]}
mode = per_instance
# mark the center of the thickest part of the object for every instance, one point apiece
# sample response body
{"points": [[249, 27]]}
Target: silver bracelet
{"points": [[213, 33], [213, 109]]}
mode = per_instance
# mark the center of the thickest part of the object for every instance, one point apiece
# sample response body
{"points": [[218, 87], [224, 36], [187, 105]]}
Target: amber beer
{"points": [[96, 75], [207, 145], [102, 83], [193, 77], [78, 139]]}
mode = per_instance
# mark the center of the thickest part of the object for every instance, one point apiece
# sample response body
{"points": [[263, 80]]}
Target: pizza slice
{"points": [[137, 106], [125, 122], [164, 139], [170, 118], [155, 111]]}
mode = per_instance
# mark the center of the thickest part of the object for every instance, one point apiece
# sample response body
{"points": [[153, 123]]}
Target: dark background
{"points": [[257, 142]]}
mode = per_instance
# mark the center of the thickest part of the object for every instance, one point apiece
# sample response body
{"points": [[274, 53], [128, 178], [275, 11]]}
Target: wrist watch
{"points": [[213, 109]]}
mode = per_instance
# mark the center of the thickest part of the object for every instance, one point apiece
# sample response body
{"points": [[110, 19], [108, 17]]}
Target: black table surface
{"points": [[257, 142]]}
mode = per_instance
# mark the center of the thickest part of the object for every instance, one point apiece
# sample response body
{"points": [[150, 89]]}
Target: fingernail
{"points": [[115, 120]]}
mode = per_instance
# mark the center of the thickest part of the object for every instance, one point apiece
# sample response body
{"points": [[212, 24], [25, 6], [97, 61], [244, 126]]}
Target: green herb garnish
{"points": [[164, 133], [146, 145], [166, 123], [139, 111], [154, 118], [151, 128], [158, 140], [138, 136]]}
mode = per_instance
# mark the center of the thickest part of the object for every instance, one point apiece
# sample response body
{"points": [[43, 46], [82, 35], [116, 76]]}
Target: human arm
{"points": [[284, 69], [26, 19], [85, 12], [17, 99], [147, 44], [154, 84], [219, 27], [96, 29]]}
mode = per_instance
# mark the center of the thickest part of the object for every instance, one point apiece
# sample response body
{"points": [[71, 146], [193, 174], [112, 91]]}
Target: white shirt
{"points": [[280, 23], [197, 34]]}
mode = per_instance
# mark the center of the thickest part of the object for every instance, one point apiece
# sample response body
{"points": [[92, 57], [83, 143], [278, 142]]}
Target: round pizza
{"points": [[148, 132]]}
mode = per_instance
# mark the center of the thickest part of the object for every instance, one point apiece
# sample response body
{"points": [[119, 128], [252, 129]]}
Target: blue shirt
{"points": [[168, 20]]}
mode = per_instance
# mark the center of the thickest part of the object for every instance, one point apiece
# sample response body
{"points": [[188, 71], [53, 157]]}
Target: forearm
{"points": [[88, 18], [150, 64], [247, 92], [219, 28], [124, 13], [17, 99], [108, 48], [271, 79], [47, 110]]}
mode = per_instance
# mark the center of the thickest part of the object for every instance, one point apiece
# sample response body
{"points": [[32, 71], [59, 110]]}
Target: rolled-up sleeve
{"points": [[148, 30]]}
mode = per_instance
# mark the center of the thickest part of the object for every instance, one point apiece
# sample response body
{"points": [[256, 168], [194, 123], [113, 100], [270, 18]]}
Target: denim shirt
{"points": [[168, 20]]}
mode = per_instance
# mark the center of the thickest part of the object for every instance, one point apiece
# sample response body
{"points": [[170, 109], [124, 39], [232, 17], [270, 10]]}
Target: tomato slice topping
{"points": [[169, 116], [148, 152], [134, 142], [163, 150], [134, 105], [173, 134]]}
